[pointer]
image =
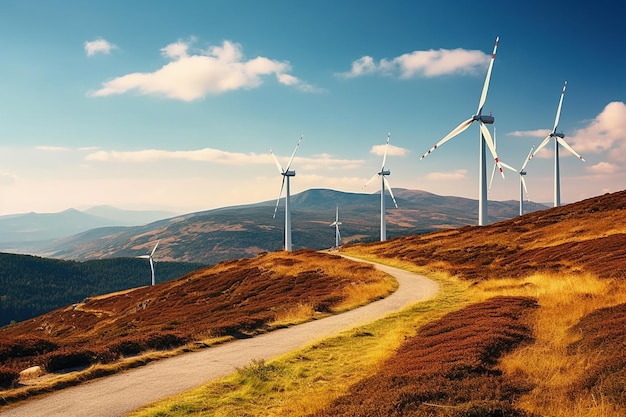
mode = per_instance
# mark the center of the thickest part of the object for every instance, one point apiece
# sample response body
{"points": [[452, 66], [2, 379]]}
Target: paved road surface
{"points": [[122, 393]]}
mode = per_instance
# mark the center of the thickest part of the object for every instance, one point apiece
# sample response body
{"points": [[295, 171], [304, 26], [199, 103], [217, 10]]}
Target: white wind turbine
{"points": [[558, 140], [286, 173], [383, 182], [150, 258], [337, 223], [522, 182], [485, 138]]}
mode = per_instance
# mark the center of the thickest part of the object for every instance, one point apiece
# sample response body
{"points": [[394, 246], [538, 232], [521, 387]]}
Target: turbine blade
{"points": [[382, 168], [390, 192], [569, 148], [527, 158], [493, 172], [337, 214], [558, 110], [280, 169], [370, 180], [293, 154], [483, 96], [489, 141], [524, 184], [507, 166], [282, 185], [154, 250], [143, 256], [459, 129], [541, 145]]}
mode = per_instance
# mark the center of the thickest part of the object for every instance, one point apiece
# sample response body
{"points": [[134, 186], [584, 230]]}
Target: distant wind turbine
{"points": [[558, 140], [485, 137], [383, 182], [150, 258], [337, 223], [522, 182], [286, 174]]}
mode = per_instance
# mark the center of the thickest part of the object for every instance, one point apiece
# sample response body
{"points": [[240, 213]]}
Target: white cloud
{"points": [[604, 168], [191, 77], [51, 148], [7, 179], [606, 133], [100, 45], [431, 63], [447, 176], [217, 156], [538, 133], [391, 150]]}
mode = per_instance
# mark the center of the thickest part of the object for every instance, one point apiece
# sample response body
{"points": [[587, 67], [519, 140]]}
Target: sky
{"points": [[175, 105]]}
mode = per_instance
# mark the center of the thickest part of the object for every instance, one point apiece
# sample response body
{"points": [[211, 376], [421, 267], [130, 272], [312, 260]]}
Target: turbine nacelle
{"points": [[289, 173], [384, 172], [488, 120], [522, 172], [558, 135]]}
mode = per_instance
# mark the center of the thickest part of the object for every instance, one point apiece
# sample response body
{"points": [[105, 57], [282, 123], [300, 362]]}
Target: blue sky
{"points": [[175, 105]]}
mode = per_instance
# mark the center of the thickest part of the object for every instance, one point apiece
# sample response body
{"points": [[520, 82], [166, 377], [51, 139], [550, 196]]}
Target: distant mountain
{"points": [[18, 229], [244, 231]]}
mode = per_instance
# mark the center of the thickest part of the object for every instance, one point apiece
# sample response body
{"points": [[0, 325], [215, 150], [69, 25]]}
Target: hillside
{"points": [[29, 230], [244, 231], [31, 286], [530, 323], [234, 299]]}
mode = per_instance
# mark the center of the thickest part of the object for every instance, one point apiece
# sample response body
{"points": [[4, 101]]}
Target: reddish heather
{"points": [[235, 298], [449, 368], [588, 236]]}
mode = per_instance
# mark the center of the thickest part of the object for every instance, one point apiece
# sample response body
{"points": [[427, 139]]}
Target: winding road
{"points": [[122, 393]]}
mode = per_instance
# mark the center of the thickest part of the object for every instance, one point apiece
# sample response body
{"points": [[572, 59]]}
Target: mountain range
{"points": [[242, 231]]}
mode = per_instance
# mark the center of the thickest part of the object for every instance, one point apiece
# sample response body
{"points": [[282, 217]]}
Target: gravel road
{"points": [[122, 393]]}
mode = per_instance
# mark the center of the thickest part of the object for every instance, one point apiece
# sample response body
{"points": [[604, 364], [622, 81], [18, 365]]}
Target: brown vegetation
{"points": [[588, 236], [449, 368], [230, 300]]}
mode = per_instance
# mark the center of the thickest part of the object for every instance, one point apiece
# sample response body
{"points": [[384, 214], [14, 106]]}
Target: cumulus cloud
{"points": [[7, 179], [99, 46], [391, 150], [605, 134], [447, 176], [191, 76], [604, 168], [220, 157], [431, 63], [538, 133]]}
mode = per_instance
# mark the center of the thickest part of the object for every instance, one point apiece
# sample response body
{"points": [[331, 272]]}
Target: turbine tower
{"points": [[383, 182], [337, 223], [522, 182], [558, 140], [286, 174], [150, 258], [484, 138]]}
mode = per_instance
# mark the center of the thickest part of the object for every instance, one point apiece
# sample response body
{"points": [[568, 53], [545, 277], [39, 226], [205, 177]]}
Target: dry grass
{"points": [[232, 299]]}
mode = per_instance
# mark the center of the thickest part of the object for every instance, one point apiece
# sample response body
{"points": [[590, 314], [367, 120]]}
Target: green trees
{"points": [[30, 285]]}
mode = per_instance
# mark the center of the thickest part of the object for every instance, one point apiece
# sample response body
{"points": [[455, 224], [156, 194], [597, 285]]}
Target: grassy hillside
{"points": [[530, 322], [245, 231], [230, 300], [31, 286]]}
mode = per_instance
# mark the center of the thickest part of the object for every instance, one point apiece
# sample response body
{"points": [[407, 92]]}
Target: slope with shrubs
{"points": [[233, 299]]}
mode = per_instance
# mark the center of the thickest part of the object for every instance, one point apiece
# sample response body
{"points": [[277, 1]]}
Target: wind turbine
{"points": [[286, 173], [558, 140], [522, 182], [383, 182], [150, 258], [484, 137], [337, 223]]}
